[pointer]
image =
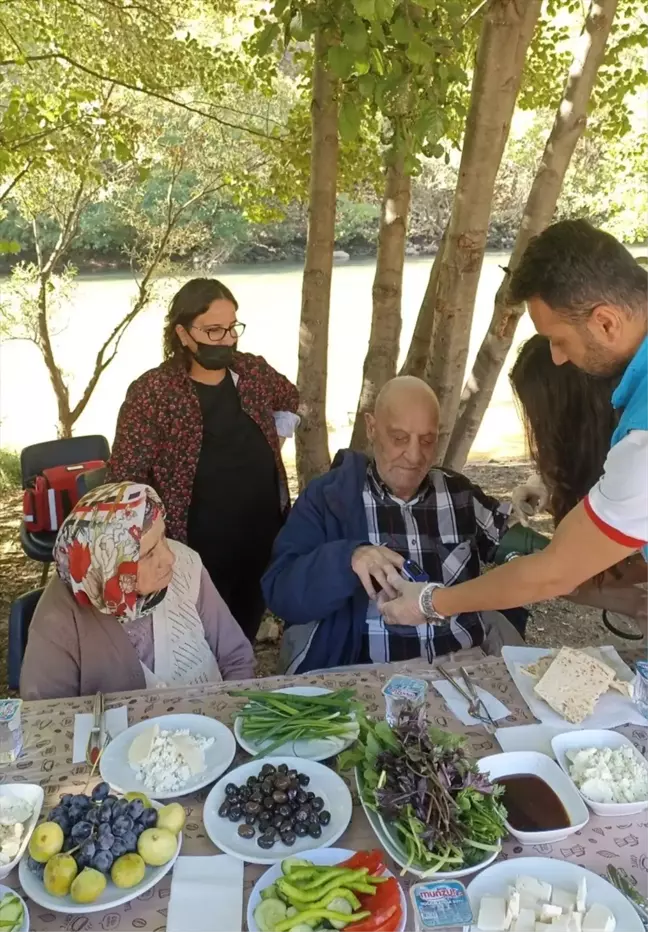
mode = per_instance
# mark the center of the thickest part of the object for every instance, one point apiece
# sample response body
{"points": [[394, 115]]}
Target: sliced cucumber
{"points": [[289, 864], [11, 912], [291, 911], [269, 913], [339, 905], [270, 893]]}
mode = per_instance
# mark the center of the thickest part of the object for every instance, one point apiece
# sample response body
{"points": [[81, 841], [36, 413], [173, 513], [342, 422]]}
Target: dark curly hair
{"points": [[568, 420], [190, 302]]}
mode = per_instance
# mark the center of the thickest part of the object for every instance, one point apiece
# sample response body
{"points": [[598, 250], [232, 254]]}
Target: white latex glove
{"points": [[529, 499]]}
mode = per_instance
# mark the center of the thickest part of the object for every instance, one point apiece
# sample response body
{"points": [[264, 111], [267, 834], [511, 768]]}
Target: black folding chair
{"points": [[34, 459], [20, 616]]}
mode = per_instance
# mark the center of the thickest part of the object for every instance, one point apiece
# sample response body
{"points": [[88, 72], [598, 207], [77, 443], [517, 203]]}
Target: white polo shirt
{"points": [[618, 503]]}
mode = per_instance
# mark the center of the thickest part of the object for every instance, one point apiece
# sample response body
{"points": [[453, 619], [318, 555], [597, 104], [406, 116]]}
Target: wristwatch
{"points": [[425, 602]]}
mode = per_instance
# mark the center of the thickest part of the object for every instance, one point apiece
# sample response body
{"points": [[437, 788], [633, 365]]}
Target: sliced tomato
{"points": [[373, 860], [392, 924], [387, 895], [381, 920]]}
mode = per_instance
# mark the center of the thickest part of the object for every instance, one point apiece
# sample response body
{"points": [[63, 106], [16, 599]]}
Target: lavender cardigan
{"points": [[75, 650]]}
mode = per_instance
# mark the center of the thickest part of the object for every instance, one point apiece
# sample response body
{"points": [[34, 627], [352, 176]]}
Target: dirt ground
{"points": [[553, 623]]}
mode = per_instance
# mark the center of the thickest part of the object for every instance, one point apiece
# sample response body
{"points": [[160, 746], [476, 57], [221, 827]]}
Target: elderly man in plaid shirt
{"points": [[350, 526]]}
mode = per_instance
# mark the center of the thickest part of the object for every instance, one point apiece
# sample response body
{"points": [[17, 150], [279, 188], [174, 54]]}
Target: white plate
{"points": [[397, 852], [612, 709], [528, 738], [25, 923], [116, 770], [324, 782], [33, 794], [327, 856], [531, 762], [310, 749], [496, 880], [576, 741], [111, 897]]}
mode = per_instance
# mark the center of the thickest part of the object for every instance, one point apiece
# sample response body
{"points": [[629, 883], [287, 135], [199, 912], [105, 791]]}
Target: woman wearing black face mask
{"points": [[205, 430]]}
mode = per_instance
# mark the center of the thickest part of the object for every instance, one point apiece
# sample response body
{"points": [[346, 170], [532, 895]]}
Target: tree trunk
{"points": [[65, 421], [569, 125], [419, 348], [384, 340], [506, 33], [313, 456]]}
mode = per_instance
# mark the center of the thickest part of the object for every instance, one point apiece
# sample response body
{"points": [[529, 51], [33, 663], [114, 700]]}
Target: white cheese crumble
{"points": [[13, 813], [166, 769], [607, 775]]}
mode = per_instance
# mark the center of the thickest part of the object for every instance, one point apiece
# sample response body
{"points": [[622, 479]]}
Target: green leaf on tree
{"points": [[349, 120], [385, 9], [341, 61], [401, 30], [355, 36], [268, 35], [419, 52], [365, 8], [9, 246]]}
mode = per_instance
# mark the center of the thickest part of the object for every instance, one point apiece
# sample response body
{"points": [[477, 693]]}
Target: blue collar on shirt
{"points": [[631, 395]]}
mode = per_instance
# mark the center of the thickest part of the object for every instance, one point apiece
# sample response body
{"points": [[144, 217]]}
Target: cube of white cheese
{"points": [[512, 907], [599, 918], [542, 926], [561, 924], [534, 887], [492, 914], [575, 922], [549, 912], [581, 896], [525, 922], [530, 901], [563, 898]]}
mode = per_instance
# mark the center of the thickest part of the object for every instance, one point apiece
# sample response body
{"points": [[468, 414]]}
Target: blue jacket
{"points": [[631, 396], [310, 576]]}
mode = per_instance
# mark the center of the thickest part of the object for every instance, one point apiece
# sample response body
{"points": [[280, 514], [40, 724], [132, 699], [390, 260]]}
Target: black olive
{"points": [[302, 797], [235, 814], [264, 825], [324, 817], [231, 790], [271, 830], [265, 841], [224, 809], [252, 781], [288, 838], [279, 797], [282, 768], [250, 818], [267, 769], [300, 829], [317, 803], [245, 793], [292, 774], [303, 778], [284, 811], [302, 815], [310, 795], [253, 808], [314, 829], [291, 793], [278, 821], [268, 803], [282, 783], [246, 831], [267, 787]]}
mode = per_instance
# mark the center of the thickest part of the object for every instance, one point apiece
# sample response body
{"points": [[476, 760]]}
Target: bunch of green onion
{"points": [[281, 718]]}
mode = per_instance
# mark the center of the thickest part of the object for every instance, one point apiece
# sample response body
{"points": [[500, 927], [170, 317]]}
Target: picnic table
{"points": [[47, 760]]}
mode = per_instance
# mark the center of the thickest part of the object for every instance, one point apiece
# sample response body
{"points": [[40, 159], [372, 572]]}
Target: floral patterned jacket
{"points": [[159, 430]]}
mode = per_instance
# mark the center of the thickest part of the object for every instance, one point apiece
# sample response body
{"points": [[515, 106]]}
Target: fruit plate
{"points": [[111, 897], [496, 880], [24, 926], [324, 782], [116, 770], [33, 794], [325, 856], [317, 749], [392, 845]]}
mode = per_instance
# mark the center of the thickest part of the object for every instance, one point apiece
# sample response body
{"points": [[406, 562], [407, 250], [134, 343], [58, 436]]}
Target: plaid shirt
{"points": [[449, 528]]}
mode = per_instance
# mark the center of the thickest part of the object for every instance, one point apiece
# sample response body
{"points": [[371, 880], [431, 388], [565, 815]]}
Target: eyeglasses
{"points": [[216, 333]]}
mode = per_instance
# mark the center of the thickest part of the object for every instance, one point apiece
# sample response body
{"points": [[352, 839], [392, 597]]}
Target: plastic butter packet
{"points": [[440, 904], [401, 693]]}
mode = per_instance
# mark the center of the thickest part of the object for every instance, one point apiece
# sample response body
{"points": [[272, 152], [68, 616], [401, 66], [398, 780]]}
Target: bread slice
{"points": [[538, 669], [574, 683]]}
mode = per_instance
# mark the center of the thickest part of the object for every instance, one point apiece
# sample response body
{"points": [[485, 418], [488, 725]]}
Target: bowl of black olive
{"points": [[267, 809]]}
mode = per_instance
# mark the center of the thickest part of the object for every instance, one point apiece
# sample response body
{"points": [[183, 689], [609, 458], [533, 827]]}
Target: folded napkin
{"points": [[206, 895], [459, 706], [116, 722]]}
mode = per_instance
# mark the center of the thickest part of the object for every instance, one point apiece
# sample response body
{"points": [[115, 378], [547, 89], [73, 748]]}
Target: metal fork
{"points": [[473, 706], [630, 892]]}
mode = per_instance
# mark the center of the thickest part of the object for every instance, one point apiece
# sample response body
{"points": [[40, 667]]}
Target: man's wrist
{"points": [[426, 604]]}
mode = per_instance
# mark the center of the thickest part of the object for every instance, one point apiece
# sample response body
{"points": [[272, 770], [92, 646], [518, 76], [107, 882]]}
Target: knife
{"points": [[95, 739], [470, 686]]}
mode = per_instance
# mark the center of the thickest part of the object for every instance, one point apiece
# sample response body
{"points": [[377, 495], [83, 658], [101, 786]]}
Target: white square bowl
{"points": [[542, 766], [597, 738], [33, 794]]}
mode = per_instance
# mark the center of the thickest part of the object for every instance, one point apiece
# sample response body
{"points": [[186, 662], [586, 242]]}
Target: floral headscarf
{"points": [[98, 546]]}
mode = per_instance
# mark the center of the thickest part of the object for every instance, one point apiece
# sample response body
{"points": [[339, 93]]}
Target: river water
{"points": [[269, 303]]}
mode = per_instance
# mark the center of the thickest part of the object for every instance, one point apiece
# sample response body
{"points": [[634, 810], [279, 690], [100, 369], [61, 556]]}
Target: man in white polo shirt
{"points": [[588, 296]]}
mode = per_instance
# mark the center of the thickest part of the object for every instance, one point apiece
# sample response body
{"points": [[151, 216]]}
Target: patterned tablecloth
{"points": [[48, 732]]}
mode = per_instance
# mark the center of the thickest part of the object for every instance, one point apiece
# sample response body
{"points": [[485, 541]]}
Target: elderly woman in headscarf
{"points": [[128, 609]]}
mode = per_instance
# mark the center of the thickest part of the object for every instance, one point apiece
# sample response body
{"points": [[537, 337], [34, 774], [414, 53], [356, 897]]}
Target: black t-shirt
{"points": [[235, 512]]}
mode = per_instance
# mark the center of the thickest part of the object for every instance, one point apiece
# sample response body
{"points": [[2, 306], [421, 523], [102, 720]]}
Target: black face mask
{"points": [[212, 356]]}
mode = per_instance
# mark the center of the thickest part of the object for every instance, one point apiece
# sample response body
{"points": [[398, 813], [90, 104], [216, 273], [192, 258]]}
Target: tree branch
{"points": [[14, 181]]}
